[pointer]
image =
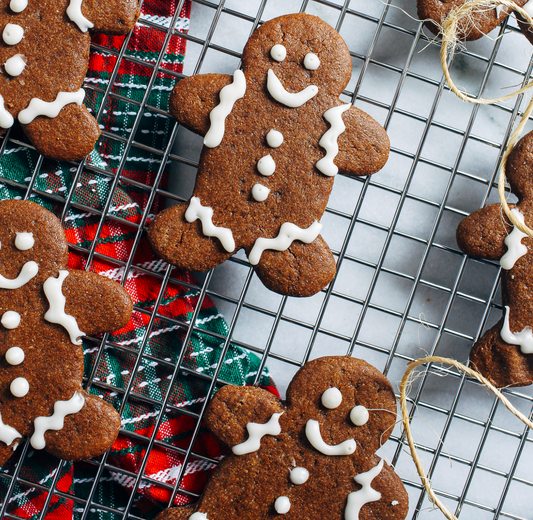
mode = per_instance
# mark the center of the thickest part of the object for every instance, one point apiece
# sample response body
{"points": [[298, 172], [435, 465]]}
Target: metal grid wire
{"points": [[403, 288]]}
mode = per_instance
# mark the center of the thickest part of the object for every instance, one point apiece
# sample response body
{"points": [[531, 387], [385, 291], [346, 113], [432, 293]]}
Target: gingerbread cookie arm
{"points": [[482, 233], [363, 146], [233, 408], [87, 433], [108, 16], [97, 303], [77, 129], [194, 98]]}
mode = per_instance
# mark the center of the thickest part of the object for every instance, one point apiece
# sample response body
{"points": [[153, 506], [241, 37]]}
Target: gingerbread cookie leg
{"points": [[503, 364], [301, 270], [85, 434], [184, 243], [176, 513], [68, 137]]}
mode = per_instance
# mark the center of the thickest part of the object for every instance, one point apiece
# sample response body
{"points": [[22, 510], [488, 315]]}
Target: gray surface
{"points": [[403, 289]]}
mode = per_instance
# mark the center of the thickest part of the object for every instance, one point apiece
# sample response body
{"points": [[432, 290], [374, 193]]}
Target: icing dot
{"points": [[24, 241], [359, 415], [266, 165], [332, 398], [260, 192], [311, 61], [15, 356], [18, 6], [10, 319], [15, 65], [274, 138], [198, 516], [282, 505], [12, 34], [19, 387], [299, 476], [278, 52]]}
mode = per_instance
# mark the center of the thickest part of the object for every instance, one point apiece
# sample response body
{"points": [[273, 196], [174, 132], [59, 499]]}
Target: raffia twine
{"points": [[449, 34]]}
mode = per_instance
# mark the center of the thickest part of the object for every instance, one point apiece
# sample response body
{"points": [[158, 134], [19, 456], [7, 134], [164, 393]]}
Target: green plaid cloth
{"points": [[136, 367]]}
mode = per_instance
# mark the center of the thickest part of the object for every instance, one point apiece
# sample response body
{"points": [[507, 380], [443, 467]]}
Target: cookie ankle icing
{"points": [[365, 495], [7, 433], [513, 241], [524, 338]]}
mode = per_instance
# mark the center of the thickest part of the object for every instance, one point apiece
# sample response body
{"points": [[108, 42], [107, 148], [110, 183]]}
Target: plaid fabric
{"points": [[137, 366]]}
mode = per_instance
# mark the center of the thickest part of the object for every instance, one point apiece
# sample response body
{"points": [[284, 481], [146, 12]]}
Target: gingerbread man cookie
{"points": [[45, 309], [433, 12], [44, 50], [504, 354], [312, 456], [276, 134]]}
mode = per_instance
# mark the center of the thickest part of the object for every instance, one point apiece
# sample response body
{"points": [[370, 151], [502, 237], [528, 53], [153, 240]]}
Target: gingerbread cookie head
{"points": [[44, 53], [45, 310], [275, 136], [504, 353], [338, 412]]}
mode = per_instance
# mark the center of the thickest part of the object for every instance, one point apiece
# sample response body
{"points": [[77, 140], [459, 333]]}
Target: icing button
{"points": [[15, 356], [13, 34], [260, 193], [15, 65], [274, 139], [282, 505], [19, 387], [10, 319], [17, 6], [266, 166]]}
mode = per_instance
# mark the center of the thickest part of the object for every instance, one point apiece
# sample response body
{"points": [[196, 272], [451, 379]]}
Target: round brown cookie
{"points": [[433, 12], [44, 53], [504, 354], [265, 171], [311, 456], [44, 310]]}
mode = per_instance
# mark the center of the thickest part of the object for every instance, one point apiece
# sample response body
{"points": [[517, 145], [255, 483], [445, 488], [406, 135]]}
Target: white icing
{"points": [[256, 432], [332, 398], [17, 6], [24, 241], [528, 8], [29, 270], [311, 61], [53, 290], [76, 16], [260, 193], [498, 10], [274, 139], [6, 119], [15, 65], [266, 166], [278, 52], [7, 433], [524, 338], [513, 241], [282, 505], [288, 233], [205, 214], [15, 356], [38, 107], [289, 99], [55, 421], [359, 415], [329, 140], [228, 96], [312, 432], [19, 387], [198, 516], [299, 476], [394, 503], [10, 319], [12, 34], [365, 495]]}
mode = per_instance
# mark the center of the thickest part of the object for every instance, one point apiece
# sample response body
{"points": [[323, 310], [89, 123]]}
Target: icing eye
{"points": [[311, 61], [24, 241], [278, 52], [332, 398], [359, 415]]}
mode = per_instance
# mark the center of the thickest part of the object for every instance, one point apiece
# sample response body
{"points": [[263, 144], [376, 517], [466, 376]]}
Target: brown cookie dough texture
{"points": [[262, 179], [45, 308], [482, 22], [316, 459], [504, 354], [44, 53]]}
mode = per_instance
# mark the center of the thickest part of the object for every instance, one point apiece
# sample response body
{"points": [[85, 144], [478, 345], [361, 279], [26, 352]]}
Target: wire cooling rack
{"points": [[403, 288]]}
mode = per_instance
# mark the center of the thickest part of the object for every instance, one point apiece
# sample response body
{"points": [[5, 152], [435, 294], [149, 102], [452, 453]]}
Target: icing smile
{"points": [[312, 432], [292, 100]]}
